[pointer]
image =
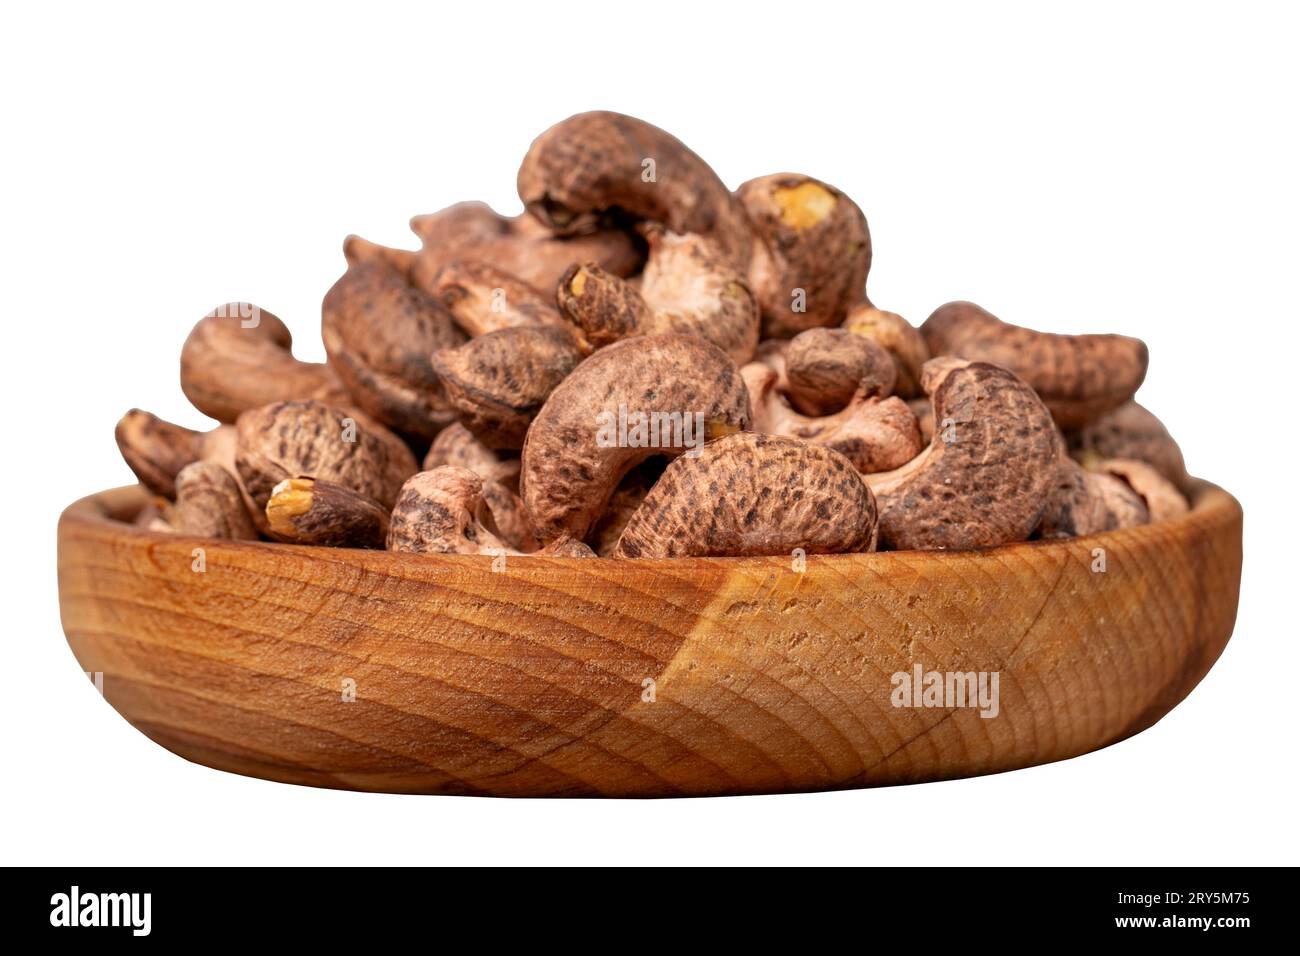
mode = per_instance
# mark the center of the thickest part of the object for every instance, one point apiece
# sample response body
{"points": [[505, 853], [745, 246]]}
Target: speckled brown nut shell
{"points": [[810, 236], [874, 434], [567, 476], [292, 439], [1162, 498], [379, 332], [437, 513], [209, 504], [992, 484], [227, 368], [900, 339], [456, 445], [497, 382], [482, 298], [1131, 431], [520, 246], [751, 494], [1085, 503], [311, 511], [825, 368], [688, 287], [1079, 377], [593, 163], [156, 450]]}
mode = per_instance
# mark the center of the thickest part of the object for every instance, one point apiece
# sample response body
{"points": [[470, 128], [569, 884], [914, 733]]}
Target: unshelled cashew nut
{"points": [[751, 494], [585, 439], [1078, 377]]}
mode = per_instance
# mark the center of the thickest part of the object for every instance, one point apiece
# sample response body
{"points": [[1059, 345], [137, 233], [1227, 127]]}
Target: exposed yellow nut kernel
{"points": [[579, 282], [805, 205], [289, 499]]}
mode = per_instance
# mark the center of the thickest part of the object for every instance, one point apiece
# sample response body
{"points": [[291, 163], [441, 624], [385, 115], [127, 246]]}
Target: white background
{"points": [[1125, 168]]}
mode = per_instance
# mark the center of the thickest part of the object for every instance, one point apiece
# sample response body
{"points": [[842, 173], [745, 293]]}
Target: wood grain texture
{"points": [[529, 681]]}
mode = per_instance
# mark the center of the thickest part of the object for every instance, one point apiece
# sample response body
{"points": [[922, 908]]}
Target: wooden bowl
{"points": [[561, 677]]}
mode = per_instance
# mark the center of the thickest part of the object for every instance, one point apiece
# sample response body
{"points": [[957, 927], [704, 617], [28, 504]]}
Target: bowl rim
{"points": [[116, 507]]}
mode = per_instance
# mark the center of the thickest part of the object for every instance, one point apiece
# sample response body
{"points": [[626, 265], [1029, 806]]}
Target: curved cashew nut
{"points": [[156, 450], [482, 298], [874, 434], [813, 253], [294, 439], [496, 383], [901, 339], [311, 511], [1084, 502], [751, 494], [378, 332], [1079, 377], [688, 287], [988, 474], [650, 395], [825, 368], [596, 163], [1131, 431], [238, 357], [521, 247], [358, 251], [442, 512]]}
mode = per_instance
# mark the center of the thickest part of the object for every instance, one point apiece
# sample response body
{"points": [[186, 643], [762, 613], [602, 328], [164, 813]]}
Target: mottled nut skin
{"points": [[520, 246], [1131, 431], [596, 162], [442, 512], [482, 298], [379, 332], [989, 473], [901, 339], [156, 450], [309, 511], [753, 494], [810, 236], [874, 434], [1079, 377], [688, 287], [825, 368], [1084, 503], [291, 439], [497, 382], [209, 504], [436, 513], [1161, 497], [239, 357], [567, 475], [456, 445]]}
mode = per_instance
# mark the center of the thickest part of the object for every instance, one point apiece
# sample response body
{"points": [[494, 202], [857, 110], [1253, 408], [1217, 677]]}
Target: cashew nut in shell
{"points": [[1085, 502], [238, 357], [1079, 377], [294, 439], [825, 368], [679, 383], [210, 504], [379, 332], [482, 298], [595, 163], [1131, 431], [442, 511], [750, 494], [812, 254], [688, 287], [901, 339], [497, 382], [988, 475], [874, 434], [312, 511]]}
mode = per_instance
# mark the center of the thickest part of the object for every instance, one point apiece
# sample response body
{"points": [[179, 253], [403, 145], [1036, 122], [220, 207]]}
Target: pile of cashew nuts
{"points": [[645, 364]]}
